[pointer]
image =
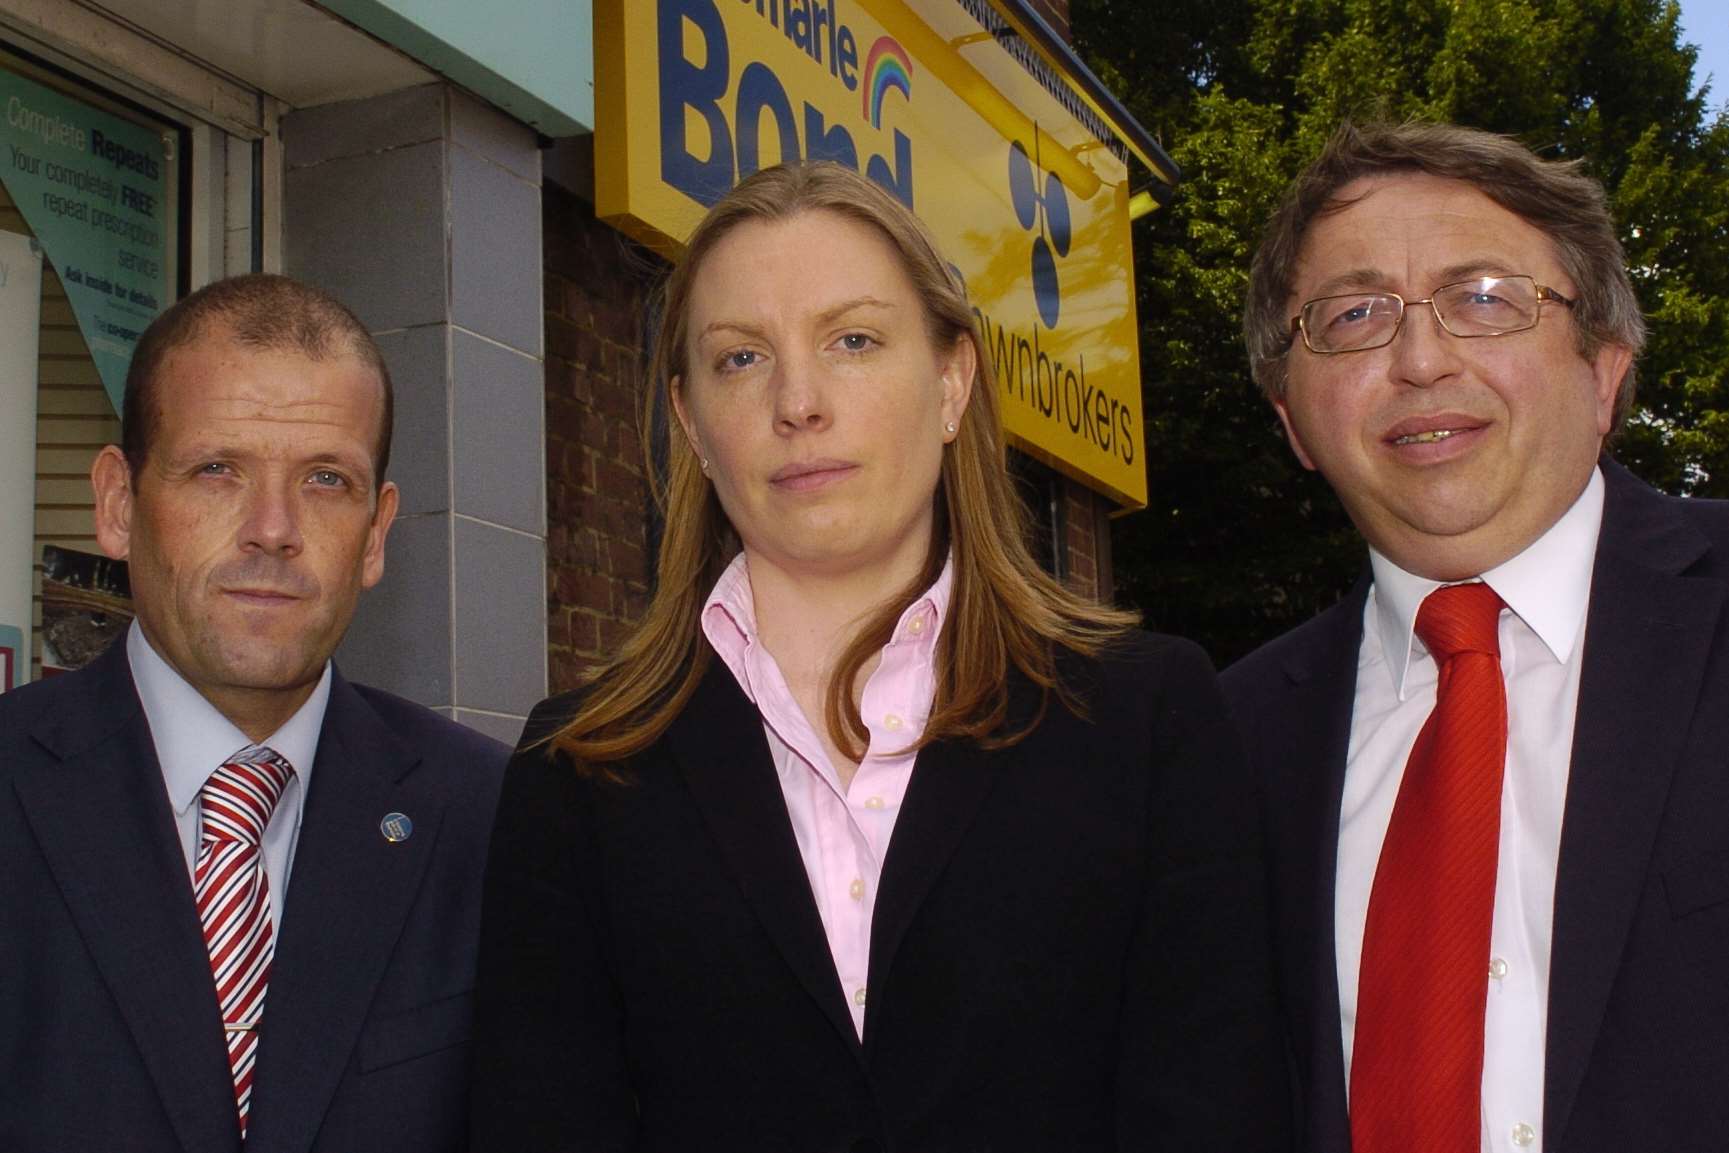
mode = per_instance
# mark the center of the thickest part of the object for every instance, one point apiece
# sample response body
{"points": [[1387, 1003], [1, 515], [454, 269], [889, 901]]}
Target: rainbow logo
{"points": [[886, 66]]}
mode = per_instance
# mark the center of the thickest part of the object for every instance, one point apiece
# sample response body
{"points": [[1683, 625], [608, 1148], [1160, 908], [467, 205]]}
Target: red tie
{"points": [[233, 896], [1417, 1060]]}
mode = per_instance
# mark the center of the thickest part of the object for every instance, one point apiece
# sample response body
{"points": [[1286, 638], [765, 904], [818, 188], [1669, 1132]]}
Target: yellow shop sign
{"points": [[938, 101]]}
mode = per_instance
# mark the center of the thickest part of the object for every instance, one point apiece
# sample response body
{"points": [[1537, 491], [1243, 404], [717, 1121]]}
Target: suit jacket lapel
{"points": [[950, 781], [348, 897], [1306, 792], [100, 813], [724, 757], [1648, 635]]}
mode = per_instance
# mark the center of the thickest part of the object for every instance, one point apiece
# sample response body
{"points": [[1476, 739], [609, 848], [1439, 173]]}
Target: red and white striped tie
{"points": [[233, 894]]}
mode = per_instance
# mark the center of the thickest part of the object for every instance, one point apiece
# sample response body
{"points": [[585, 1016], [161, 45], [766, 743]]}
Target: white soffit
{"points": [[294, 51]]}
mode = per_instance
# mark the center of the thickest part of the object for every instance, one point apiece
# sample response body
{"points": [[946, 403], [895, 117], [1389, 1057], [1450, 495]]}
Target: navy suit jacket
{"points": [[1637, 1052], [110, 1036]]}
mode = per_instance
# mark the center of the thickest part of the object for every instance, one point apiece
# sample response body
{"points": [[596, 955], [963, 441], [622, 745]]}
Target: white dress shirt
{"points": [[1546, 590], [193, 740]]}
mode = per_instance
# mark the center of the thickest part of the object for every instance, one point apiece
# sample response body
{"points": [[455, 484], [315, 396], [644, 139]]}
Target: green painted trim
{"points": [[566, 117]]}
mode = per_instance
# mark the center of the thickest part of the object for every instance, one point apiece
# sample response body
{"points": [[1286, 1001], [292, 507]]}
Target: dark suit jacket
{"points": [[1068, 944], [110, 1037], [1637, 1055]]}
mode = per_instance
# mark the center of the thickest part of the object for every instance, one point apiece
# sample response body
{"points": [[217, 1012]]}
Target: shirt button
{"points": [[873, 802], [916, 625], [1523, 1134], [856, 889], [858, 998], [891, 721], [1497, 968]]}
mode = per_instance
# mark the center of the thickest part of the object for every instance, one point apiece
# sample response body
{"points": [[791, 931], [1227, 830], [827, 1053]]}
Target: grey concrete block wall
{"points": [[421, 211], [494, 233], [419, 364], [497, 571], [498, 392], [373, 226], [495, 725], [366, 127], [403, 635]]}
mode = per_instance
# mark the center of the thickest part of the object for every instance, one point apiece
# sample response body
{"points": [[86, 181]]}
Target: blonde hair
{"points": [[1004, 610]]}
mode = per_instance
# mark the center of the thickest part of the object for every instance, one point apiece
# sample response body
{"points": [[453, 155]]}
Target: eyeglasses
{"points": [[1486, 306]]}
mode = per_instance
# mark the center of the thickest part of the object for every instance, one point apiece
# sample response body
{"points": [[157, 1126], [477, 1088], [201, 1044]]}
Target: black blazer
{"points": [[110, 1037], [1637, 1055], [1068, 948]]}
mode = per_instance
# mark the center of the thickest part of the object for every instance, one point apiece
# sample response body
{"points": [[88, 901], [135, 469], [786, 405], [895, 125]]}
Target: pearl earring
{"points": [[949, 428], [704, 461]]}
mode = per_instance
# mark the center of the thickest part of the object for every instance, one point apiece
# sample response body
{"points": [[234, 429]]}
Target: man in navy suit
{"points": [[240, 895], [1524, 949]]}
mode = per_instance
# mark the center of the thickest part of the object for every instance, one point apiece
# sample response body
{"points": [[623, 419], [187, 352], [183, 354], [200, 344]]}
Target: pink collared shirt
{"points": [[843, 834]]}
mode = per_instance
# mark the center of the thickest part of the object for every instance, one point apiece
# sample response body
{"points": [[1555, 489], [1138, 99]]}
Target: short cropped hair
{"points": [[1556, 197], [260, 311]]}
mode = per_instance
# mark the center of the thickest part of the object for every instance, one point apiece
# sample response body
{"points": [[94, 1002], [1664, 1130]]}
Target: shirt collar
{"points": [[729, 618], [193, 739], [1548, 586]]}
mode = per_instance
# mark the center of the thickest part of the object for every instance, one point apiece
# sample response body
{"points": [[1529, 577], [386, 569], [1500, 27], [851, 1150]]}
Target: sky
{"points": [[1706, 23]]}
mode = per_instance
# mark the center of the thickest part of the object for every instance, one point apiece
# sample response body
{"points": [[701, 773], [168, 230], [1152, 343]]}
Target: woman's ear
{"points": [[960, 368], [675, 390]]}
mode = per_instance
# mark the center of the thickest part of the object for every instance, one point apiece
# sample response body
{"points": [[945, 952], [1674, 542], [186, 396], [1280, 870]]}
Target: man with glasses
{"points": [[1497, 774]]}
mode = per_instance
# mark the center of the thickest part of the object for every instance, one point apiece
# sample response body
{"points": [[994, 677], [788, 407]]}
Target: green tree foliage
{"points": [[1238, 543]]}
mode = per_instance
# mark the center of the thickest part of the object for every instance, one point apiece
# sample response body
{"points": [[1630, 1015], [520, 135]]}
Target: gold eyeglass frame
{"points": [[1543, 293]]}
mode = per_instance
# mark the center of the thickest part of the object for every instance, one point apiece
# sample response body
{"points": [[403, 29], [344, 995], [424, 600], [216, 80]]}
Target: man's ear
{"points": [[1609, 374], [1291, 435], [111, 478], [383, 515]]}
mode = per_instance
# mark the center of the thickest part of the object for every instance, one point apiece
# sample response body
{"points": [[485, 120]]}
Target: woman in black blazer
{"points": [[1053, 936]]}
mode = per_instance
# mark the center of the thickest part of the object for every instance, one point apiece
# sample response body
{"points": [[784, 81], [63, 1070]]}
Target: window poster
{"points": [[96, 189]]}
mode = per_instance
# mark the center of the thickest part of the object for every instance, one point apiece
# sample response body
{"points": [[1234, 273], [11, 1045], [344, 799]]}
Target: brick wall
{"points": [[597, 575], [1082, 539]]}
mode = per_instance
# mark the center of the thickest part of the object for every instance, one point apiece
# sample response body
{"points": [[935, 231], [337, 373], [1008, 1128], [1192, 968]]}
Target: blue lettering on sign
{"points": [[759, 92], [683, 85], [902, 184], [815, 29], [825, 143], [811, 26]]}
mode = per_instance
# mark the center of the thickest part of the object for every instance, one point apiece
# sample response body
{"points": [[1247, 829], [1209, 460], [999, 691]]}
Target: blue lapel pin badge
{"points": [[396, 827]]}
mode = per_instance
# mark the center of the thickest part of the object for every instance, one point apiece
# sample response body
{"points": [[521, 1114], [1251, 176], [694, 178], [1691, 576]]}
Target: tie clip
{"points": [[246, 1027]]}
